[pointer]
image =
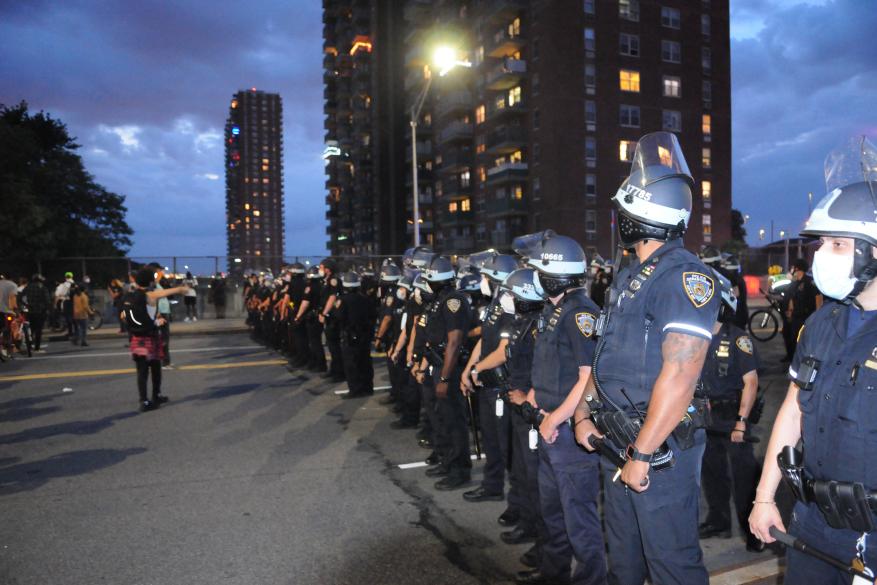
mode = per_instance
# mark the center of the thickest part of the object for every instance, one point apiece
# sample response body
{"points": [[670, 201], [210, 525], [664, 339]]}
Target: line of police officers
{"points": [[645, 398]]}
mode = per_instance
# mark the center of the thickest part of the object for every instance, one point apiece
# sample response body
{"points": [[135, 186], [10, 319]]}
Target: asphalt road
{"points": [[250, 475]]}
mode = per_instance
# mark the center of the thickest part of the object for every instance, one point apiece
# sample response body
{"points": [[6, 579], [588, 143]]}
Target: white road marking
{"points": [[417, 464], [123, 353], [342, 392], [376, 389]]}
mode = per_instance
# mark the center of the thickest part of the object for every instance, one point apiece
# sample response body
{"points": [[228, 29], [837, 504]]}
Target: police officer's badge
{"points": [[744, 344], [586, 323], [699, 288], [453, 305]]}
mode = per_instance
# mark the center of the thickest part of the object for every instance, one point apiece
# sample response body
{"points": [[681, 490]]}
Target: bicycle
{"points": [[764, 324], [16, 336], [95, 321]]}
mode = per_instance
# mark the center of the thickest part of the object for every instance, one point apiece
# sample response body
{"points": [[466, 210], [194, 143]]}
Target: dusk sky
{"points": [[145, 87]]}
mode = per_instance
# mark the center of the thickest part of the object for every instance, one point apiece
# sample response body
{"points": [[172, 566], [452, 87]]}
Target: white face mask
{"points": [[417, 296], [833, 274], [322, 273], [401, 294], [485, 287], [507, 302]]}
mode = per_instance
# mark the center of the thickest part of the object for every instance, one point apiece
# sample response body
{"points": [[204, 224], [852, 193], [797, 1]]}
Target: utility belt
{"points": [[436, 355], [497, 377], [844, 505], [727, 408], [622, 428]]}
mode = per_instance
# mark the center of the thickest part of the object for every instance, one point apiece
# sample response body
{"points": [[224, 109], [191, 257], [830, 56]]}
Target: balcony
{"points": [[499, 113], [507, 74], [455, 218], [507, 172], [454, 103], [502, 207], [424, 177], [506, 140], [454, 187], [424, 151], [503, 44], [501, 11], [456, 160], [425, 226], [455, 131]]}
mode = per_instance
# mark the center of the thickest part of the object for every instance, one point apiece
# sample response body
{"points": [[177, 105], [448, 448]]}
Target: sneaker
{"points": [[194, 318], [147, 405], [168, 367], [160, 398], [186, 320]]}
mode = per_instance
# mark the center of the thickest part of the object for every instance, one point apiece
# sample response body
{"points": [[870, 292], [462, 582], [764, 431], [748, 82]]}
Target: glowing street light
{"points": [[445, 59], [761, 234]]}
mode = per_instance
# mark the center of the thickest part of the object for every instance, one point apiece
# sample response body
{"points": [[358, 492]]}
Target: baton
{"points": [[474, 425], [613, 456], [801, 546]]}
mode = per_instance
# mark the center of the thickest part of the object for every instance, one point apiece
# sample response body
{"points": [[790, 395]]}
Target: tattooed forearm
{"points": [[684, 350]]}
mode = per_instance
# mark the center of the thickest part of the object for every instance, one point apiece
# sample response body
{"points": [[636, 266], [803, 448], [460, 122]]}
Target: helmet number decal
{"points": [[699, 288]]}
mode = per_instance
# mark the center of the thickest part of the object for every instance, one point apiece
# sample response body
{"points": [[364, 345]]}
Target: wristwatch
{"points": [[741, 418], [473, 371], [443, 379], [634, 455]]}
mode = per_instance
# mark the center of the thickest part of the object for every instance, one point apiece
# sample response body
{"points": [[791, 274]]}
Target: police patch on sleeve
{"points": [[389, 301], [699, 288], [744, 344], [453, 305], [333, 282], [586, 323]]}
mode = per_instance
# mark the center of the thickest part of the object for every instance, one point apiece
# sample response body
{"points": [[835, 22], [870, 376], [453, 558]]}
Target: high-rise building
{"points": [[539, 130], [365, 116], [254, 181]]}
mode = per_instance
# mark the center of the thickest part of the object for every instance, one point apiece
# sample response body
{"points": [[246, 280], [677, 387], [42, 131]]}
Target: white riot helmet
{"points": [[848, 211], [654, 202]]}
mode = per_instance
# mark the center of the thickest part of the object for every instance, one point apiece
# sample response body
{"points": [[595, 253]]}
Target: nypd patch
{"points": [[586, 323], [389, 301], [333, 282], [453, 305], [744, 344], [699, 287]]}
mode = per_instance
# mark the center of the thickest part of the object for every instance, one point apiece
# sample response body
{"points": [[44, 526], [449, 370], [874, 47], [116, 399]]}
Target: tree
{"points": [[51, 206], [737, 244]]}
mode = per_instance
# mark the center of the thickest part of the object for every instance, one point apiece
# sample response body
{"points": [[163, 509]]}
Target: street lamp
{"points": [[445, 59], [745, 218], [761, 234]]}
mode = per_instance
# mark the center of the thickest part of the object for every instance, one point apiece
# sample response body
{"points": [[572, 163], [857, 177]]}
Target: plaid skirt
{"points": [[148, 346]]}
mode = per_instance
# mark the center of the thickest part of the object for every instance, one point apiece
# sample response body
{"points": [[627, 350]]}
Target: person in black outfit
{"points": [[356, 317], [218, 290], [404, 317], [804, 299], [388, 305], [730, 268], [330, 292], [307, 316], [730, 380], [37, 298]]}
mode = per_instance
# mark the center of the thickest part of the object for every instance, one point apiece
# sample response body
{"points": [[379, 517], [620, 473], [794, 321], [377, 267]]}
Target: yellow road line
{"points": [[85, 374]]}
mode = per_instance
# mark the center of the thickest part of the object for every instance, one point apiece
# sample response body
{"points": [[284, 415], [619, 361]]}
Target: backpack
{"points": [[136, 316]]}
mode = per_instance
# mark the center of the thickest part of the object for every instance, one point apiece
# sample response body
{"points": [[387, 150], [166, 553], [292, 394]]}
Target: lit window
{"points": [[452, 207], [590, 6], [258, 252], [590, 186], [706, 191], [480, 145], [464, 179], [671, 52], [479, 114], [706, 58], [590, 112], [257, 213], [628, 80], [629, 45], [590, 148], [465, 205], [265, 167], [590, 76], [629, 116], [629, 9], [482, 174], [246, 205], [626, 148], [515, 28], [590, 39], [706, 158], [706, 126], [672, 86], [265, 161], [670, 17], [499, 103], [514, 95], [265, 180], [518, 192], [672, 121], [705, 28]]}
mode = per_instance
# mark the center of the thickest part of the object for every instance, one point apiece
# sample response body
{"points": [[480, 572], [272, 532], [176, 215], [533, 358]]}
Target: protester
{"points": [[191, 297], [116, 297], [37, 299], [81, 312]]}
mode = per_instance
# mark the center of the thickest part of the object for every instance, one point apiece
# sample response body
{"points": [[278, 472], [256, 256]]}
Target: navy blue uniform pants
{"points": [[489, 426], [453, 421], [808, 524], [728, 465], [569, 482], [654, 533], [333, 343], [359, 371], [316, 355], [525, 473]]}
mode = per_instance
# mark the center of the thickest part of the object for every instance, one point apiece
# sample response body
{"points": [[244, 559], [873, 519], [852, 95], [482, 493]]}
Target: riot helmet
{"points": [[390, 273], [710, 256], [654, 202], [313, 272], [417, 257], [729, 301], [849, 210], [438, 273], [350, 279], [297, 268], [523, 286], [422, 291], [731, 263], [470, 283], [559, 260]]}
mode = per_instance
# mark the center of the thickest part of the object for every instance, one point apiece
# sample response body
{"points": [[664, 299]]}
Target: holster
{"points": [[497, 377]]}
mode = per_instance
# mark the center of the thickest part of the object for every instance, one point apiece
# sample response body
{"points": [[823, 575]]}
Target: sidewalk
{"points": [[178, 328]]}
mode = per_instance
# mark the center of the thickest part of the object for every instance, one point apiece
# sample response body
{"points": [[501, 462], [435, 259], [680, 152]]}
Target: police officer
{"points": [[804, 299], [568, 475], [404, 315], [730, 381], [307, 314], [730, 266], [528, 301], [298, 338], [388, 306], [489, 353], [330, 292], [356, 317], [830, 403], [431, 435], [651, 352], [449, 321]]}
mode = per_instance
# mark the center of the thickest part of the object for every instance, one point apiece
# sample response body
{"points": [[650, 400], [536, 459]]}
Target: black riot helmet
{"points": [[654, 202], [849, 210], [438, 273], [710, 256], [523, 285], [390, 273], [314, 272], [559, 260], [407, 280], [350, 279], [729, 302], [497, 267], [297, 269], [470, 283], [417, 257]]}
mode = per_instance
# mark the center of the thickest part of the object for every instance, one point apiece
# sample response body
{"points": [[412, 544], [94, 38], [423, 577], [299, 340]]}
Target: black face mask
{"points": [[555, 285], [528, 307]]}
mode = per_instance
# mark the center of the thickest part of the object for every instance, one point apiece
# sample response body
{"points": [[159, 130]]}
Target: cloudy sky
{"points": [[145, 86]]}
